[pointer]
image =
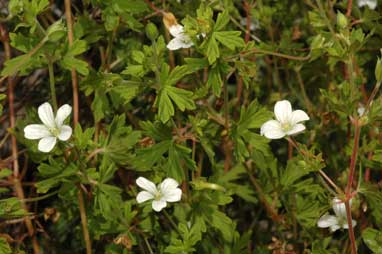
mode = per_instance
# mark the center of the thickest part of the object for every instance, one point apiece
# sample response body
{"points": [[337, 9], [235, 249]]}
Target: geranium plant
{"points": [[227, 126]]}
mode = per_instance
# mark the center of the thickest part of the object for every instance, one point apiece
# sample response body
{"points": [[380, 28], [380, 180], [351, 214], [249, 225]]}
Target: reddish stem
{"points": [[152, 6], [12, 122], [351, 231], [349, 8], [290, 150], [81, 202], [353, 158], [272, 212], [68, 15], [348, 192], [247, 10]]}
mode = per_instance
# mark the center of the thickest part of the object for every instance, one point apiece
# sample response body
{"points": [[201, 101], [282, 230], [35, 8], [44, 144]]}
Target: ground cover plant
{"points": [[221, 126]]}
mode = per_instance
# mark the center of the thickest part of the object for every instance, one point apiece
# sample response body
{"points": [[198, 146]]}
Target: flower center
{"points": [[158, 196], [55, 131], [286, 126]]}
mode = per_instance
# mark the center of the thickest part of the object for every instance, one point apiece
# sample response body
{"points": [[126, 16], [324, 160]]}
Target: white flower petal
{"points": [[62, 113], [283, 111], [176, 30], [168, 184], [144, 196], [327, 221], [174, 44], [272, 130], [334, 227], [146, 185], [297, 128], [158, 205], [174, 195], [361, 110], [45, 112], [36, 131], [353, 223], [187, 43], [65, 133], [46, 144], [181, 40], [299, 116], [372, 4], [178, 43], [339, 207]]}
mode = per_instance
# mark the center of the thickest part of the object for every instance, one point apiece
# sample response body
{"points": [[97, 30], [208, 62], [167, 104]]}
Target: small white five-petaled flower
{"points": [[372, 4], [287, 123], [337, 221], [52, 127], [166, 191], [180, 40], [253, 25]]}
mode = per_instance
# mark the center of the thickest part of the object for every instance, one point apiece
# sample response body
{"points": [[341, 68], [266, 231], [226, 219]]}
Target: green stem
{"points": [[86, 235], [307, 102], [304, 153], [267, 52], [173, 224], [226, 113], [52, 84], [40, 197], [148, 245]]}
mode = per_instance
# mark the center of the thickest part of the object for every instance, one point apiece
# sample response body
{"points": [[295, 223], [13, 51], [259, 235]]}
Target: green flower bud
{"points": [[151, 31], [342, 21]]}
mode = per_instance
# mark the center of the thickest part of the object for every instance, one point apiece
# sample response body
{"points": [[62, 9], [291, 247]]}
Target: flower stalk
{"points": [[52, 85], [172, 222], [81, 205], [68, 15], [348, 193]]}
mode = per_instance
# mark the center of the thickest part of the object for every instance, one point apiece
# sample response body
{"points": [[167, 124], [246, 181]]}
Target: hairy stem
{"points": [[351, 231], [353, 158], [348, 193]]}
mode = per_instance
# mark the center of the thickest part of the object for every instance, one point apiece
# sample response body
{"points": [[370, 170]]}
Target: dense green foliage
{"points": [[194, 115]]}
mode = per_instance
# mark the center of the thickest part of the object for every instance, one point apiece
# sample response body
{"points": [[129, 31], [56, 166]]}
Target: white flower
{"points": [[361, 110], [253, 25], [287, 123], [337, 221], [372, 4], [167, 191], [181, 40], [51, 129]]}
